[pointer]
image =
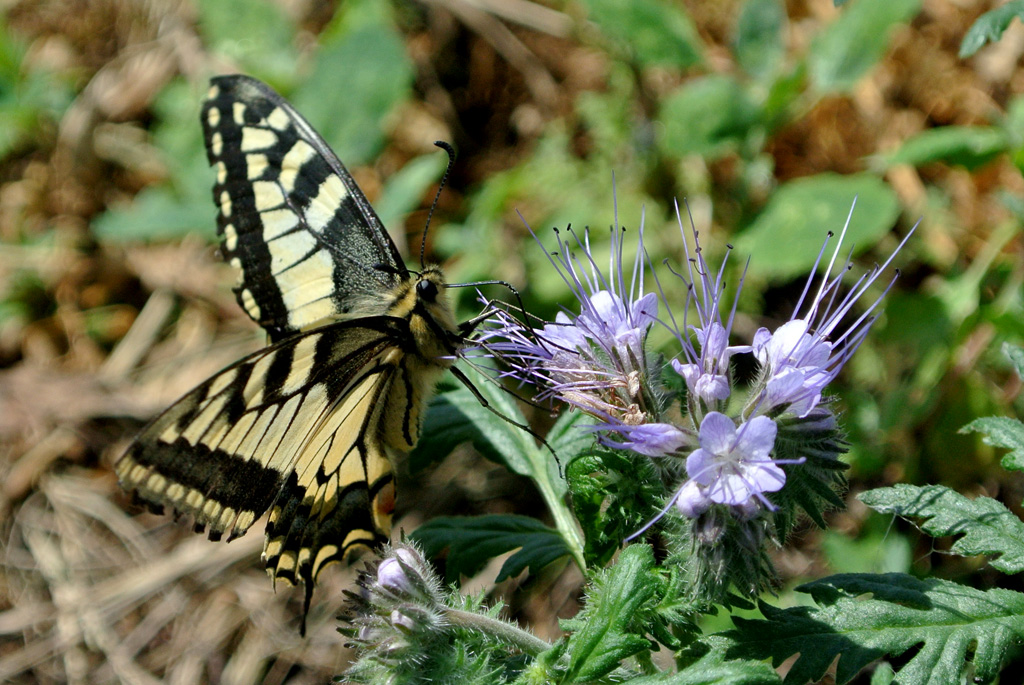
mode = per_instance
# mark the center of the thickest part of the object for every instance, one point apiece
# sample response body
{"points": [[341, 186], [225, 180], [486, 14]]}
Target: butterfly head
{"points": [[422, 300]]}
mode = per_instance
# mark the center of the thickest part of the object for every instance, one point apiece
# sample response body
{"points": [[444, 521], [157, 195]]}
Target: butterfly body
{"points": [[308, 427]]}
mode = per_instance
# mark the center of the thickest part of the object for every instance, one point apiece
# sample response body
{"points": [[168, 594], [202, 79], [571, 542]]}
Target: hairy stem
{"points": [[525, 641]]}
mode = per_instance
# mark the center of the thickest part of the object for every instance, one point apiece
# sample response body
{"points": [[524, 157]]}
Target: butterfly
{"points": [[308, 427]]}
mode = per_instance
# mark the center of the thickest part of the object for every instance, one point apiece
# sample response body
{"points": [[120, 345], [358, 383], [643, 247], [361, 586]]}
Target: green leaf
{"points": [[845, 51], [655, 33], [883, 674], [614, 492], [860, 617], [967, 146], [1002, 431], [759, 45], [1013, 124], [713, 670], [710, 116], [473, 541], [986, 525], [569, 437], [990, 27], [784, 240], [358, 79], [158, 213], [458, 416], [604, 638], [876, 549], [1016, 356]]}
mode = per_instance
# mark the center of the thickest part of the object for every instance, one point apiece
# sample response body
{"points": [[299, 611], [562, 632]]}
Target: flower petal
{"points": [[653, 439], [756, 438], [691, 500], [717, 433]]}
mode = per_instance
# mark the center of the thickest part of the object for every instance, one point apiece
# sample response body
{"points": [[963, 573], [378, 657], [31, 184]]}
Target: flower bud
{"points": [[391, 573], [404, 576]]}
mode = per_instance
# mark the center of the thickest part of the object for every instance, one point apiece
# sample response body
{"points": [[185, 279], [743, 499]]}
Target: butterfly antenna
{"points": [[444, 180]]}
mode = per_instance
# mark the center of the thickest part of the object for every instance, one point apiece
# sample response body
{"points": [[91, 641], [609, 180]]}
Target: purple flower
{"points": [[806, 353], [649, 439], [706, 366], [734, 464], [594, 360], [706, 377]]}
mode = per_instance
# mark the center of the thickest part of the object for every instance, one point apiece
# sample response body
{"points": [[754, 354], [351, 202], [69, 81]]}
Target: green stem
{"points": [[526, 642], [564, 521]]}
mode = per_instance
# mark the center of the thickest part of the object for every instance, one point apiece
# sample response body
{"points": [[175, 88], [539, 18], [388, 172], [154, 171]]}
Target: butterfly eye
{"points": [[427, 290]]}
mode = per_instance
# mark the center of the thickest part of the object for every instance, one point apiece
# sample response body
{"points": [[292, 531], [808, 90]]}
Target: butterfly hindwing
{"points": [[308, 244], [295, 426]]}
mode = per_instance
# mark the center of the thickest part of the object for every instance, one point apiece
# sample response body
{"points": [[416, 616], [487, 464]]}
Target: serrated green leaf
{"points": [[710, 116], [990, 26], [357, 81], [1016, 356], [473, 541], [967, 146], [759, 46], [784, 240], [986, 525], [655, 33], [604, 641], [862, 617], [1002, 431], [852, 44], [712, 669]]}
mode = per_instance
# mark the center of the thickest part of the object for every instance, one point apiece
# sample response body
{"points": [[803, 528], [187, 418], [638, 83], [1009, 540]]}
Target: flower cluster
{"points": [[738, 452], [405, 628]]}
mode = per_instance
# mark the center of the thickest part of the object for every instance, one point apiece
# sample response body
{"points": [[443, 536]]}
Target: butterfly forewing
{"points": [[308, 244]]}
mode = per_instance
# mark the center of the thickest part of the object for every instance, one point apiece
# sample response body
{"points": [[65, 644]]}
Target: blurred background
{"points": [[766, 117]]}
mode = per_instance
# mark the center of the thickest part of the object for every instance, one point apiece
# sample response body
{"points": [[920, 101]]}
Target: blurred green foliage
{"points": [[31, 99], [990, 27]]}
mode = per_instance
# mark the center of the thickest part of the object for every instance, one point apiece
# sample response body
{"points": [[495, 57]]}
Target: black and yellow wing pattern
{"points": [[306, 241], [307, 427]]}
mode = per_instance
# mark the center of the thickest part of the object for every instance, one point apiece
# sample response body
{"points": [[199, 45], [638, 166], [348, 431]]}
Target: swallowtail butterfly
{"points": [[307, 427]]}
